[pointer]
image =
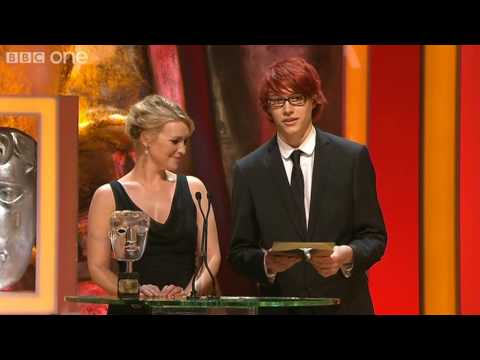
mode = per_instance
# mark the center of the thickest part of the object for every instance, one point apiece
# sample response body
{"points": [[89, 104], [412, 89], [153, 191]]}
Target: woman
{"points": [[159, 130]]}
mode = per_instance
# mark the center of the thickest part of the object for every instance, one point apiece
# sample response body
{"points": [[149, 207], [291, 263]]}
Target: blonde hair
{"points": [[153, 112]]}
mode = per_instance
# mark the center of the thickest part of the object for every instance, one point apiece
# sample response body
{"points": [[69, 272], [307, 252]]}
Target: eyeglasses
{"points": [[279, 102]]}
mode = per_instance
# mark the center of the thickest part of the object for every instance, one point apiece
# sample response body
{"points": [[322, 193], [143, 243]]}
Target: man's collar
{"points": [[307, 147]]}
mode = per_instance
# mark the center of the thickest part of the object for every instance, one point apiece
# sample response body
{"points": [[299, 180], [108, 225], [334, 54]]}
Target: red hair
{"points": [[292, 74]]}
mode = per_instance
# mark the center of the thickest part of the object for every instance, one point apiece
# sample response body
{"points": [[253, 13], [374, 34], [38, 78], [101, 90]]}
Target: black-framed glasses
{"points": [[295, 100]]}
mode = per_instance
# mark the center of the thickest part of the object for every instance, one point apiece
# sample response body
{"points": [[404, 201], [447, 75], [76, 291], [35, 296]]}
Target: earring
{"points": [[146, 151]]}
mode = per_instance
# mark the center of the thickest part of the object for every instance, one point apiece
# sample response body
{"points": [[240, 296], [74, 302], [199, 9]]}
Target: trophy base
{"points": [[128, 285]]}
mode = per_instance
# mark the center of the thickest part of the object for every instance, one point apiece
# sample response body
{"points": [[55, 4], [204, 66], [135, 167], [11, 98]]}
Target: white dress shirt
{"points": [[306, 163]]}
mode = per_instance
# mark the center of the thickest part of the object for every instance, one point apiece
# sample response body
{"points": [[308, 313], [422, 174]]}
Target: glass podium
{"points": [[224, 305]]}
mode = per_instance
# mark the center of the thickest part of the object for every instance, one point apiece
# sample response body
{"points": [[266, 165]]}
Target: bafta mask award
{"points": [[17, 204], [128, 236]]}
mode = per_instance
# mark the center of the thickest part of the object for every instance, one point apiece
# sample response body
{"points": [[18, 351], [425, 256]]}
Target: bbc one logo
{"points": [[41, 57]]}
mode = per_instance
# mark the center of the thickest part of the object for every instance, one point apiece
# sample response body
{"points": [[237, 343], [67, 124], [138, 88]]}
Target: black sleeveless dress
{"points": [[169, 256]]}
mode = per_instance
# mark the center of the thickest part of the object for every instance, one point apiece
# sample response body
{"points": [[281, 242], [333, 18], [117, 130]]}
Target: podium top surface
{"points": [[210, 302]]}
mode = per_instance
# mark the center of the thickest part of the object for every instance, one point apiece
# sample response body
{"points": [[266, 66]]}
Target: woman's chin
{"points": [[173, 168]]}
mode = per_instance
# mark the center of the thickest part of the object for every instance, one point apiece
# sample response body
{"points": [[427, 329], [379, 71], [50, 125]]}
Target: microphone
{"points": [[204, 244], [193, 295], [205, 247]]}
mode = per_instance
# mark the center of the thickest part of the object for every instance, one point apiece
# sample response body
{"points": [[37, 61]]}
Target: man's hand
{"points": [[328, 264], [277, 262]]}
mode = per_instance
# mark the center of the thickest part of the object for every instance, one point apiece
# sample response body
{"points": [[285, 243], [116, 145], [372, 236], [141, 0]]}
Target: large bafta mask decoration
{"points": [[17, 204]]}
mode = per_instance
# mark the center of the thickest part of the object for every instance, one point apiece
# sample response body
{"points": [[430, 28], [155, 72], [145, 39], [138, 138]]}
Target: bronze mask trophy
{"points": [[128, 236]]}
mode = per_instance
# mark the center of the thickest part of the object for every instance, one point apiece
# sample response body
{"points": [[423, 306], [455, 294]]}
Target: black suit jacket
{"points": [[343, 209]]}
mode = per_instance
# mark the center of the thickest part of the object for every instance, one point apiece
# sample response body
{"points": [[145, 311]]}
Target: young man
{"points": [[306, 185]]}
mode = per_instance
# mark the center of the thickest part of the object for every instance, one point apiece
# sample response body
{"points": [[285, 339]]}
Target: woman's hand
{"points": [[167, 292], [172, 292], [150, 291]]}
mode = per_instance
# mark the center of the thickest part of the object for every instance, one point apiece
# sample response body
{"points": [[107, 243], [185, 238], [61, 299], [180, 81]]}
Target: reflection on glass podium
{"points": [[225, 305]]}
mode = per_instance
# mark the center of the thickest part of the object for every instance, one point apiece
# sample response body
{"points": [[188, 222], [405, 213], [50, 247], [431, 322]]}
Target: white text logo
{"points": [[40, 57]]}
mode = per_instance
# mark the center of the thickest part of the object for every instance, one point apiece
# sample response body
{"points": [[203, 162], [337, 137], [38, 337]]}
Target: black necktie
{"points": [[297, 184]]}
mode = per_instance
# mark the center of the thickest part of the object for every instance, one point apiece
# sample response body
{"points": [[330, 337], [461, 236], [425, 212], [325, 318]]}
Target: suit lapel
{"points": [[321, 172], [275, 165]]}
